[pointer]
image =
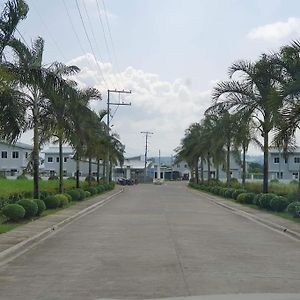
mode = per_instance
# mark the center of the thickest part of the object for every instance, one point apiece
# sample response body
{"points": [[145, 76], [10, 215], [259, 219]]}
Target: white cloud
{"points": [[276, 31], [164, 107]]}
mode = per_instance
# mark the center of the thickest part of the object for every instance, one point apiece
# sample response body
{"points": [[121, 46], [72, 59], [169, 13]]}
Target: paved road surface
{"points": [[155, 241]]}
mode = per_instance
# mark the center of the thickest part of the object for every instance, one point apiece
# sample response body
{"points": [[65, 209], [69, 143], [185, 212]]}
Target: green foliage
{"points": [[68, 197], [293, 181], [100, 189], [14, 212], [52, 202], [294, 209], [237, 192], [41, 206], [53, 177], [22, 177], [75, 195], [14, 197], [275, 180], [257, 199], [245, 198], [62, 199], [2, 176], [81, 194], [92, 190], [87, 194], [265, 200], [44, 194], [254, 167], [92, 178], [279, 203], [31, 208], [228, 193]]}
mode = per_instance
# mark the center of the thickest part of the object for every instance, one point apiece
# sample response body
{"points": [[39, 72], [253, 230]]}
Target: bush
{"points": [[279, 203], [53, 177], [71, 178], [92, 190], [81, 194], [2, 176], [41, 206], [256, 199], [75, 195], [31, 208], [44, 194], [292, 197], [265, 200], [233, 181], [228, 193], [293, 181], [246, 198], [62, 199], [14, 212], [3, 202], [14, 197], [237, 192], [28, 195], [92, 178], [294, 209], [87, 194], [52, 202], [22, 177], [68, 197], [100, 189], [274, 180]]}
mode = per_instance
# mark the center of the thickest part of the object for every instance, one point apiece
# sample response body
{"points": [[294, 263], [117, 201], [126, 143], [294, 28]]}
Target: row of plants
{"points": [[267, 201], [18, 209]]}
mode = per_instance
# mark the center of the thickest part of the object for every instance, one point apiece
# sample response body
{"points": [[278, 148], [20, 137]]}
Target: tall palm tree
{"points": [[255, 93]]}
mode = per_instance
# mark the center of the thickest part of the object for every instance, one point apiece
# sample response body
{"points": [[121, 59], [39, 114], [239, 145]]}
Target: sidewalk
{"points": [[261, 216], [23, 236]]}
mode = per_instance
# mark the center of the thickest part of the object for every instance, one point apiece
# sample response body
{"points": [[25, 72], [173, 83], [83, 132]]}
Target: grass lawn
{"points": [[11, 186], [277, 188]]}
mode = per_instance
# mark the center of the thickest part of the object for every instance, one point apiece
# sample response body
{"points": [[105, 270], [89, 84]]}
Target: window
{"points": [[94, 174], [185, 166], [276, 160], [66, 159], [178, 166], [50, 159], [26, 154], [297, 160], [286, 160], [4, 154], [295, 175], [65, 173], [52, 173], [15, 154], [279, 175], [57, 159]]}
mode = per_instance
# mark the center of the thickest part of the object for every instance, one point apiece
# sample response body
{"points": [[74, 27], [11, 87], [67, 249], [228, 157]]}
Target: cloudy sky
{"points": [[169, 53]]}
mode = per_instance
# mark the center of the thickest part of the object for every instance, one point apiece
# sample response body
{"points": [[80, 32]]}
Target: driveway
{"points": [[155, 241]]}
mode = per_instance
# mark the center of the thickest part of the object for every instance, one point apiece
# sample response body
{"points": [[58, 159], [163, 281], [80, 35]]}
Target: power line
{"points": [[22, 37], [73, 27], [94, 37], [90, 43], [105, 38], [49, 33]]}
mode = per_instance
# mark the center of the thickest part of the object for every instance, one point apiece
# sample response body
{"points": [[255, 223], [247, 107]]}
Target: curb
{"points": [[16, 250], [271, 225]]}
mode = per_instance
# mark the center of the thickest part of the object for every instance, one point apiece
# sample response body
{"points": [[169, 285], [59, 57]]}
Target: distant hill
{"points": [[255, 158]]}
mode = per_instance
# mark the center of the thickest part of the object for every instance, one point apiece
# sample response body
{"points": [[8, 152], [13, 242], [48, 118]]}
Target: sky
{"points": [[170, 53]]}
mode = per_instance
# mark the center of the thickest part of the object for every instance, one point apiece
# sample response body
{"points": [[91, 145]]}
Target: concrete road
{"points": [[155, 241]]}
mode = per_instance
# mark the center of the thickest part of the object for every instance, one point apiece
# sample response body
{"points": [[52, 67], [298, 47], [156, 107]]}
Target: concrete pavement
{"points": [[155, 241]]}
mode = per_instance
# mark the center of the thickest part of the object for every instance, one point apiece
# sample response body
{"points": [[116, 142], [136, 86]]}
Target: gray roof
{"points": [[18, 145], [55, 150]]}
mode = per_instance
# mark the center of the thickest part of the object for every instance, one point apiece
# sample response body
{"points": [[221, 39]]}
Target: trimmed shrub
{"points": [[92, 178], [237, 192], [87, 194], [100, 189], [246, 198], [14, 212], [81, 194], [292, 197], [31, 208], [3, 202], [256, 199], [14, 197], [265, 200], [28, 195], [22, 177], [44, 194], [52, 202], [233, 181], [241, 197], [41, 206], [71, 178], [75, 194], [92, 190], [68, 196], [53, 177], [63, 199], [279, 203], [228, 193], [294, 209]]}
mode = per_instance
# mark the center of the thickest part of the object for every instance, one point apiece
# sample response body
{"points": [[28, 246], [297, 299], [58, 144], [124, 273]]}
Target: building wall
{"points": [[10, 163], [69, 166]]}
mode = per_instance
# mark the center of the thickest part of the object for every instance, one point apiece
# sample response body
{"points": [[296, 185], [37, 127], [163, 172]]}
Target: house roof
{"points": [[276, 151], [18, 145], [55, 150]]}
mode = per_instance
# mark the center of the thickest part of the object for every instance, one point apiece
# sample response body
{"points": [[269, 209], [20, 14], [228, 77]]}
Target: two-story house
{"points": [[286, 167], [14, 158], [51, 163]]}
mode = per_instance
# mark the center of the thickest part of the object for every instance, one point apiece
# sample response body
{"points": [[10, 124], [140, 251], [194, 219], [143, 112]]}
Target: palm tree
{"points": [[254, 93]]}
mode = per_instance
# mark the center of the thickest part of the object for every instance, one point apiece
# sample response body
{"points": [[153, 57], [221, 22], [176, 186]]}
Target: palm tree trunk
{"points": [[228, 164], [35, 154], [202, 172], [217, 172], [98, 171], [61, 166], [90, 171], [197, 170], [208, 169], [244, 166], [266, 162], [77, 172]]}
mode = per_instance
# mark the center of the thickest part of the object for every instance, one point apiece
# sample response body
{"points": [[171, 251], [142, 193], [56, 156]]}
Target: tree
{"points": [[254, 93]]}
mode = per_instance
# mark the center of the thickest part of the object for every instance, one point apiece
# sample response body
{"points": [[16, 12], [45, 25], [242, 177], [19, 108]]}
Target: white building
{"points": [[51, 163], [14, 158]]}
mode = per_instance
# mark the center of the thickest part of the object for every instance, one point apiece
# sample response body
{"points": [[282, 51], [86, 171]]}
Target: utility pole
{"points": [[146, 133], [119, 92]]}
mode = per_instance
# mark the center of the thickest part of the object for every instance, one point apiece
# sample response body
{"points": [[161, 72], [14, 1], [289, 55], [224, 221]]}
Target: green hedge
{"points": [[31, 208], [14, 212]]}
